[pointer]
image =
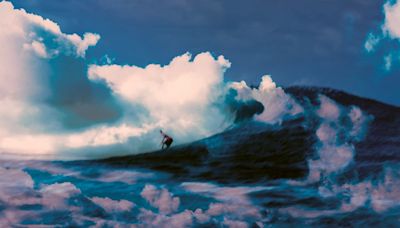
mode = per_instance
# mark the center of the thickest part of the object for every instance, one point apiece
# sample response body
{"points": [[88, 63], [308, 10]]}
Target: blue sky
{"points": [[298, 42]]}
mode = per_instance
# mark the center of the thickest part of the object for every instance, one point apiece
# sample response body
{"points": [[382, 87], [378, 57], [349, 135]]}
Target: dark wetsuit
{"points": [[167, 141]]}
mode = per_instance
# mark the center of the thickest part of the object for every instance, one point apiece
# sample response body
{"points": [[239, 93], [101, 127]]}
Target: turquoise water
{"points": [[84, 195]]}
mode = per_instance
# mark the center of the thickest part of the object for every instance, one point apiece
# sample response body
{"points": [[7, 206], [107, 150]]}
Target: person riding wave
{"points": [[166, 141]]}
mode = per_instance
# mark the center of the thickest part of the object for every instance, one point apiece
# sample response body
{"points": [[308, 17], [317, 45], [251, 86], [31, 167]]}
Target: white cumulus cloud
{"points": [[183, 97], [392, 19], [277, 104], [389, 31], [186, 98]]}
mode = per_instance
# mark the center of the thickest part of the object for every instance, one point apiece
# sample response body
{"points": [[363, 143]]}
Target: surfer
{"points": [[166, 141]]}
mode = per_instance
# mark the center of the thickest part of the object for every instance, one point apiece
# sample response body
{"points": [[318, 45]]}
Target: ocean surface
{"points": [[337, 165]]}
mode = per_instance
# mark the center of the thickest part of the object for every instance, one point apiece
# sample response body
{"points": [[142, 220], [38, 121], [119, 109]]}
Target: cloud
{"points": [[41, 65], [182, 95], [371, 42], [89, 39], [388, 62], [153, 95], [104, 135], [39, 34], [28, 40], [389, 33], [37, 47], [277, 104], [55, 105], [392, 19], [188, 98]]}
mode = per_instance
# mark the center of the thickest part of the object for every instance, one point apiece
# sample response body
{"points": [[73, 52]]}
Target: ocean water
{"points": [[316, 170], [84, 195]]}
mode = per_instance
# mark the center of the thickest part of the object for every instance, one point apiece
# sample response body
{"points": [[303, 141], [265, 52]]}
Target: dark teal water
{"points": [[56, 194]]}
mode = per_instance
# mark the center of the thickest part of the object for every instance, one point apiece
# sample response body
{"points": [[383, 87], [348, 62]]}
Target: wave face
{"points": [[335, 165], [249, 152], [253, 151]]}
